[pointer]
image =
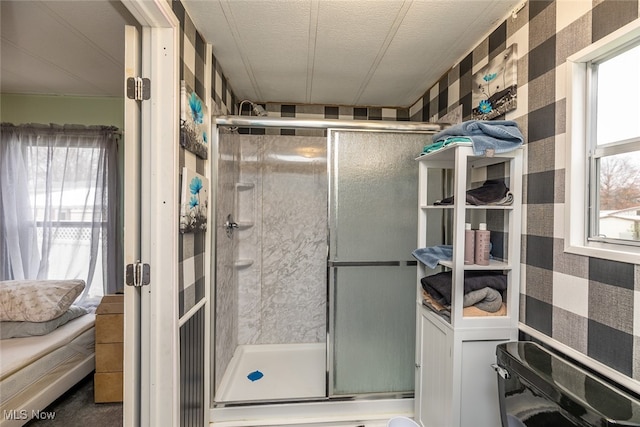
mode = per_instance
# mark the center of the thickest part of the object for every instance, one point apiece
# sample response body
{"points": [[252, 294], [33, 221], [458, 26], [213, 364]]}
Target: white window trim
{"points": [[576, 177]]}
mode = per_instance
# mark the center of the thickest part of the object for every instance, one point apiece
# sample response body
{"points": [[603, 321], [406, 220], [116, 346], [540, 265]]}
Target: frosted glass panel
{"points": [[374, 188], [374, 329]]}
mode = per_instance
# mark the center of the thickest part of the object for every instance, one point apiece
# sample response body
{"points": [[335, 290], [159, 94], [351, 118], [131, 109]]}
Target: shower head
{"points": [[257, 109]]}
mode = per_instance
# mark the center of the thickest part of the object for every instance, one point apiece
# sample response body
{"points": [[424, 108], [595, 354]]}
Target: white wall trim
{"points": [[160, 238], [152, 13]]}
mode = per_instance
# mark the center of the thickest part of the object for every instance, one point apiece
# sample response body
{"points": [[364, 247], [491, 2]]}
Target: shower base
{"points": [[355, 413], [274, 372]]}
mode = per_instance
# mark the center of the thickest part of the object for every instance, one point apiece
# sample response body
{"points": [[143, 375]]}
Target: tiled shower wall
{"points": [[585, 303], [282, 211], [226, 294]]}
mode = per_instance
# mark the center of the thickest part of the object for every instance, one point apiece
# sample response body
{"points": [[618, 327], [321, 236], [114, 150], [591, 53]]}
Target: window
{"points": [[59, 187], [614, 155], [69, 206], [602, 211]]}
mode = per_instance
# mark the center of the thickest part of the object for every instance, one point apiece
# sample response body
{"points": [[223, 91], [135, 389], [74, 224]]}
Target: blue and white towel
{"points": [[500, 136], [431, 255]]}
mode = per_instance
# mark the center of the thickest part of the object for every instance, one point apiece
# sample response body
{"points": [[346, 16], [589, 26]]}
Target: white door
{"points": [[151, 373]]}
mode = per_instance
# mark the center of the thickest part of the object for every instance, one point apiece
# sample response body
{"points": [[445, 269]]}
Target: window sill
{"points": [[630, 254]]}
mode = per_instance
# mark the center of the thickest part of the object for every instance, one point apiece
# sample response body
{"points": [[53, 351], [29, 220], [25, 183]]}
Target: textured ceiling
{"points": [[345, 52], [329, 52]]}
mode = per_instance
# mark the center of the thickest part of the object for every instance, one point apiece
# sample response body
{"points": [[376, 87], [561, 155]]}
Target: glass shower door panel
{"points": [[374, 329], [374, 195]]}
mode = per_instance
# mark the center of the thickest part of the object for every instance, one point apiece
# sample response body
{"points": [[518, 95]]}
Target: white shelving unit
{"points": [[455, 385]]}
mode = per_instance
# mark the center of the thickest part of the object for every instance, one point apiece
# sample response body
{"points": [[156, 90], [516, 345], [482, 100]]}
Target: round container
{"points": [[402, 422]]}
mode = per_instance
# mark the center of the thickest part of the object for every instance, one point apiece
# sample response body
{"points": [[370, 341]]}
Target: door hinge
{"points": [[138, 88], [138, 274]]}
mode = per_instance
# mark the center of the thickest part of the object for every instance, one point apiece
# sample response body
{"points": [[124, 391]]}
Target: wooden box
{"points": [[109, 357], [107, 387], [109, 349]]}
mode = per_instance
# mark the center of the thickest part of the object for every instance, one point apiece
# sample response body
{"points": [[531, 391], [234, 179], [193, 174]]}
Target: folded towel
{"points": [[439, 284], [471, 311], [500, 136], [487, 299], [446, 142], [431, 255], [492, 192]]}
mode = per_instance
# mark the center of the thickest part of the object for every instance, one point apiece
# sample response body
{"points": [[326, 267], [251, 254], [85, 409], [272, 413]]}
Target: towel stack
{"points": [[482, 289], [487, 137]]}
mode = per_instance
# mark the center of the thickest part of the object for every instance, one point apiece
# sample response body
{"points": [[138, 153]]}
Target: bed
{"points": [[39, 365]]}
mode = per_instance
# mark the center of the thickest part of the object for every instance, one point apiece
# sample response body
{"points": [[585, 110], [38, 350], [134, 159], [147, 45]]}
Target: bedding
{"points": [[37, 300], [30, 329], [36, 370]]}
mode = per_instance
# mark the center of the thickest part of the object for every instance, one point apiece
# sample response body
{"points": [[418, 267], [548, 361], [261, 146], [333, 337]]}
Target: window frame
{"points": [[580, 109]]}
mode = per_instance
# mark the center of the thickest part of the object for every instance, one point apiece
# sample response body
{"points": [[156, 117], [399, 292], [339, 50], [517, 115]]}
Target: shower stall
{"points": [[314, 282], [271, 268]]}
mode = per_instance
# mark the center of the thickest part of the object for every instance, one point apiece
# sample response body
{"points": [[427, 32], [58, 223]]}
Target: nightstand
{"points": [[109, 349]]}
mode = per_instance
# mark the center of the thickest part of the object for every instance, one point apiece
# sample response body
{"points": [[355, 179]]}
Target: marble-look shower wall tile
{"points": [[282, 296], [294, 240], [225, 294], [249, 236]]}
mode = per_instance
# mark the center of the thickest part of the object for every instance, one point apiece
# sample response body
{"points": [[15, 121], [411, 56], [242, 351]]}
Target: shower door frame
{"points": [[330, 126]]}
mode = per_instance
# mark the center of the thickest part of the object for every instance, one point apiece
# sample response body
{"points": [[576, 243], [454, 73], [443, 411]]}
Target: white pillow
{"points": [[37, 300], [30, 329]]}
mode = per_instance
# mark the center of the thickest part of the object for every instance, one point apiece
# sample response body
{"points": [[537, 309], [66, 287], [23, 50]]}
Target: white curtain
{"points": [[59, 192]]}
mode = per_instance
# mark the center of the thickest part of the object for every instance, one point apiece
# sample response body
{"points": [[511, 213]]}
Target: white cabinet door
{"points": [[479, 386], [435, 366]]}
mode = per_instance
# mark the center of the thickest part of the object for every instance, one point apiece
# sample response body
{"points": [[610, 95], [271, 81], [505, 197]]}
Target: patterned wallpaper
{"points": [[585, 303], [191, 246], [323, 112]]}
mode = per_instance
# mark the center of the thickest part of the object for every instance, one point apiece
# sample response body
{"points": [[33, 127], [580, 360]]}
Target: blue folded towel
{"points": [[500, 136], [431, 255]]}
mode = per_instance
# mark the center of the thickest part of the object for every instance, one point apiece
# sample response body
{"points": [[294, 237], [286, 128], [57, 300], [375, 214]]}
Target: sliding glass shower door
{"points": [[373, 223]]}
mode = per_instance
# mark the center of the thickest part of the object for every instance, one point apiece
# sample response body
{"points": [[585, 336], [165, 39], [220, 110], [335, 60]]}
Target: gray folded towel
{"points": [[439, 285], [487, 299], [492, 192]]}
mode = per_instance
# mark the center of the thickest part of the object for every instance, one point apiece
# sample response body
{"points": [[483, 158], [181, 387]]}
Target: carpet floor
{"points": [[77, 408]]}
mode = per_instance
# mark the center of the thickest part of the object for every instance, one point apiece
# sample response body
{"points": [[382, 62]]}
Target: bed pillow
{"points": [[30, 329], [37, 300]]}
